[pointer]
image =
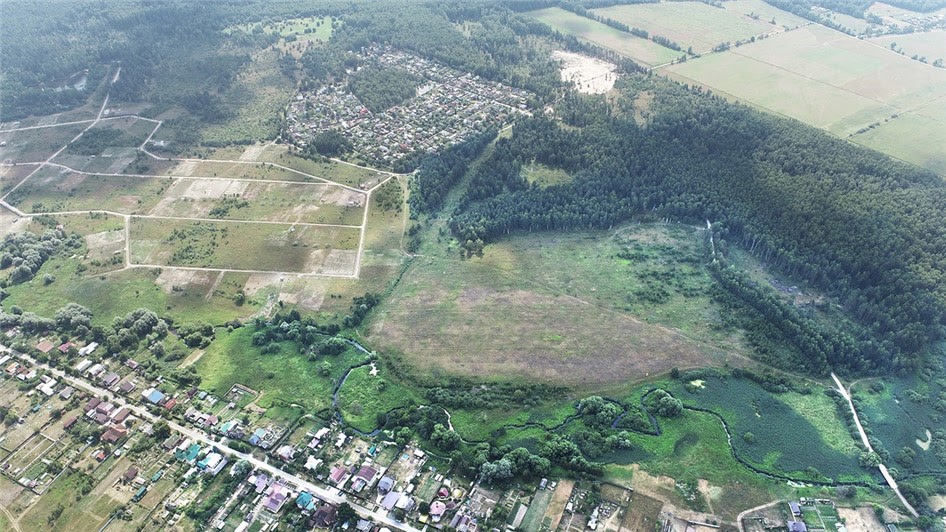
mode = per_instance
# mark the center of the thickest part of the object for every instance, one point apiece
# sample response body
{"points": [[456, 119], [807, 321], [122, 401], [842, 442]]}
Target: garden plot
{"points": [[57, 190], [35, 145], [238, 245]]}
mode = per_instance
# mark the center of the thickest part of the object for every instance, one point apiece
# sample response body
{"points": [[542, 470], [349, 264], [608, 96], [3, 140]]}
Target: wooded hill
{"points": [[852, 221]]}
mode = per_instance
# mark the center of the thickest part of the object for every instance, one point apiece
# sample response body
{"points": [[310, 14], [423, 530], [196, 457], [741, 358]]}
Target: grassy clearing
{"points": [[822, 77], [129, 289], [636, 48], [243, 245], [558, 308], [34, 145], [11, 176], [536, 512], [261, 171], [688, 23], [362, 401], [787, 434], [284, 377], [545, 176], [55, 190]]}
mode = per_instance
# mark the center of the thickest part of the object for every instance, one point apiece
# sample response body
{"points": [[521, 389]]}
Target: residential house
{"points": [[212, 463], [114, 433], [286, 453], [130, 474], [325, 516], [153, 396], [305, 501], [385, 485], [364, 477], [110, 379], [390, 500], [126, 387], [312, 463], [66, 393], [337, 474], [45, 346], [276, 497], [88, 349], [437, 508], [797, 526]]}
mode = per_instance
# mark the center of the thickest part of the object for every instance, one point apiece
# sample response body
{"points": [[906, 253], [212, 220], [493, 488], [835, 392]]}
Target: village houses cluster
{"points": [[449, 107]]}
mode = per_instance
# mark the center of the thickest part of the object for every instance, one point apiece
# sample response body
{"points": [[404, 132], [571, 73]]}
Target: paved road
{"points": [[322, 493], [883, 469]]}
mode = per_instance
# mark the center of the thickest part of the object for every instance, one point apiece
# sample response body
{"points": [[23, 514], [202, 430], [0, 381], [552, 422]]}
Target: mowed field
{"points": [[564, 309], [827, 79], [928, 44], [244, 246], [641, 50], [689, 23]]}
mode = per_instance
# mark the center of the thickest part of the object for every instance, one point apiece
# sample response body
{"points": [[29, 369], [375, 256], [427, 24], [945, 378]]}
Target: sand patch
{"points": [[105, 244], [252, 153], [860, 519], [925, 445], [213, 188], [173, 277], [343, 196], [590, 75], [258, 281], [698, 383], [185, 168]]}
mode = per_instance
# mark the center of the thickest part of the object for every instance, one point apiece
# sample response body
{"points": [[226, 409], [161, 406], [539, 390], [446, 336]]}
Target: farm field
{"points": [[891, 136], [766, 12], [642, 50], [558, 308], [928, 44], [689, 24], [824, 78], [243, 246]]}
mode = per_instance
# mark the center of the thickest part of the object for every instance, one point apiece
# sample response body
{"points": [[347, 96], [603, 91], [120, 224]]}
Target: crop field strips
{"points": [[636, 48], [688, 23], [819, 76], [244, 246]]}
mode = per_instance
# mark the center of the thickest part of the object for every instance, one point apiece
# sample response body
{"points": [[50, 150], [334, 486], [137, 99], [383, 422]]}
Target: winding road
{"points": [[860, 428]]}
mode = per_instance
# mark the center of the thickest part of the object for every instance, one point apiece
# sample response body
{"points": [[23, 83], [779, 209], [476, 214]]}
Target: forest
{"points": [[842, 217]]}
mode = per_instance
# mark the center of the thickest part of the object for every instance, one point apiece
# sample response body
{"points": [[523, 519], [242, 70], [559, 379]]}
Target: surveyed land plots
{"points": [[218, 215]]}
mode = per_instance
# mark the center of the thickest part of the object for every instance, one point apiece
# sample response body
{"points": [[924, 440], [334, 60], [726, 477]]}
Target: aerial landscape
{"points": [[486, 265]]}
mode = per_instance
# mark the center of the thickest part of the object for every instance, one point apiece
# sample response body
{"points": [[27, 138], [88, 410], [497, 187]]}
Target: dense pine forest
{"points": [[861, 225]]}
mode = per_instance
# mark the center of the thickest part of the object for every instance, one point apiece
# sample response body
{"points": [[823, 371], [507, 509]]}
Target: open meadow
{"points": [[36, 145], [928, 44], [243, 246], [641, 50], [581, 309], [689, 24]]}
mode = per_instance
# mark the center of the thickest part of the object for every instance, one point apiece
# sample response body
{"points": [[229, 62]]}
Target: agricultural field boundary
{"points": [[322, 181]]}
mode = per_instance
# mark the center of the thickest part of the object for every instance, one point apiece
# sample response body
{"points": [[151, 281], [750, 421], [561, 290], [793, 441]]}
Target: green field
{"points": [[792, 432], [765, 12], [891, 137], [346, 174], [928, 44], [688, 24], [560, 308], [132, 289], [361, 401], [284, 377], [641, 50], [545, 176], [827, 79], [243, 246]]}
